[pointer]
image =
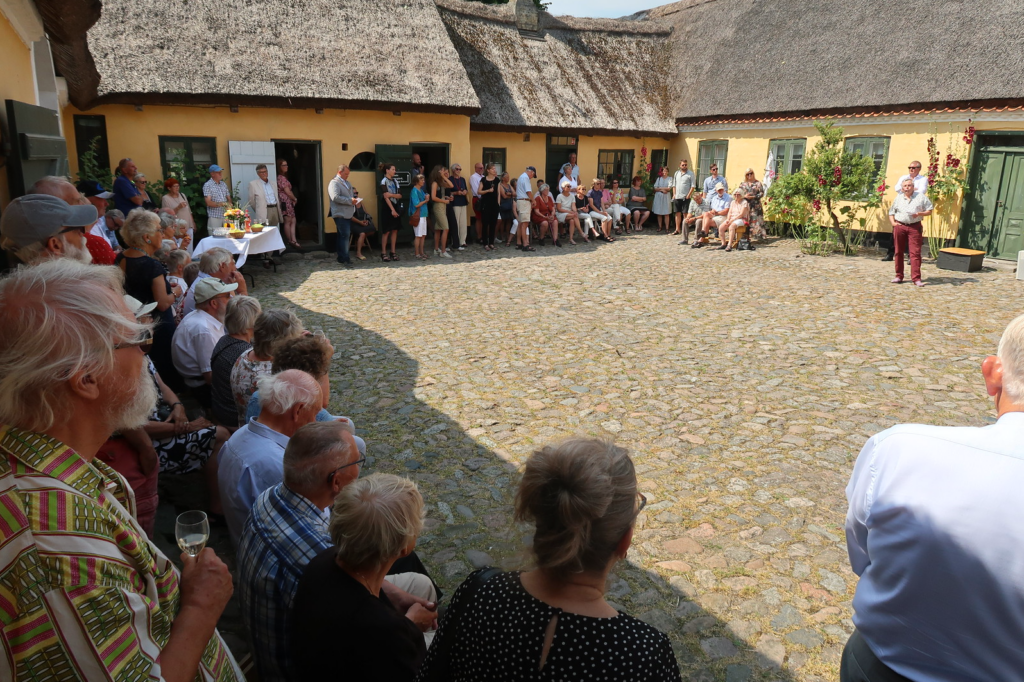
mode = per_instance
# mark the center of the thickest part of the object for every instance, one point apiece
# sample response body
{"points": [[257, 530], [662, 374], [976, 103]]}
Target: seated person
{"points": [[287, 528], [252, 459], [195, 338], [543, 214], [176, 261], [695, 209], [619, 197], [375, 521], [719, 206], [565, 212], [637, 197], [271, 329], [736, 220], [595, 204], [239, 322], [362, 225], [582, 497]]}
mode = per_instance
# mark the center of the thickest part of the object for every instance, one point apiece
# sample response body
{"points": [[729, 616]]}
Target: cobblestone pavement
{"points": [[744, 384]]}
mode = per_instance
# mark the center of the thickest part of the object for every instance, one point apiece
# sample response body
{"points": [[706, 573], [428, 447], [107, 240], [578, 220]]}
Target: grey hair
{"points": [[261, 166], [569, 166], [375, 518], [212, 259], [116, 212], [312, 452], [241, 314], [279, 393], [271, 328], [544, 187], [166, 219], [61, 317], [175, 258], [1011, 353], [139, 224]]}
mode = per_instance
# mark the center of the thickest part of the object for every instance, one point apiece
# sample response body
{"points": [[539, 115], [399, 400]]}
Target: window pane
{"points": [[202, 153]]}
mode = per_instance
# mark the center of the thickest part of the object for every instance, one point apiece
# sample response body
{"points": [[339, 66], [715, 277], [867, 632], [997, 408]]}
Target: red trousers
{"points": [[908, 235]]}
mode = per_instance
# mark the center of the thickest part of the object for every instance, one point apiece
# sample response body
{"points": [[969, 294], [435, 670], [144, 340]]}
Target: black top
{"points": [[223, 359], [581, 204], [489, 200], [459, 184], [342, 632], [501, 637], [139, 274]]}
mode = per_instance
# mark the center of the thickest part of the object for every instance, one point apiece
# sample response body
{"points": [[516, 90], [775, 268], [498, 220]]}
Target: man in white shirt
{"points": [[194, 339], [524, 195], [683, 185], [219, 263], [474, 189], [907, 232], [575, 168], [719, 206], [263, 198], [934, 531], [920, 185]]}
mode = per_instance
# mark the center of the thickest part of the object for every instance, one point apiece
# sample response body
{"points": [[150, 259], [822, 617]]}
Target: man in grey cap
{"points": [[198, 333], [37, 227], [218, 198]]}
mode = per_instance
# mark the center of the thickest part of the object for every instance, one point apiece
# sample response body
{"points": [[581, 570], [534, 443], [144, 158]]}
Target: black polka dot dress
{"points": [[501, 637]]}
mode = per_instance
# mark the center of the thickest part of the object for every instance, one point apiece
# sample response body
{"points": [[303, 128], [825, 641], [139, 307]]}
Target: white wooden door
{"points": [[244, 157]]}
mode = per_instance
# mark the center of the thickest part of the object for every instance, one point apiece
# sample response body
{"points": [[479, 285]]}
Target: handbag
{"points": [[414, 220], [443, 642]]}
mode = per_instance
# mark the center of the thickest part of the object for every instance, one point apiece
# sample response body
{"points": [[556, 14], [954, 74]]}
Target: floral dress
{"points": [[756, 212], [180, 454], [244, 376], [287, 207]]}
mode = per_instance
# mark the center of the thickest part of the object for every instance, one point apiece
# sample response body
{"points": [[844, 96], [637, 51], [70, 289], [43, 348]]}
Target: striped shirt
{"points": [[283, 533], [83, 594]]}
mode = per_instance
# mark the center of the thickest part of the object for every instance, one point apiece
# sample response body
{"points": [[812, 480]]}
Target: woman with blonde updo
{"points": [[553, 622]]}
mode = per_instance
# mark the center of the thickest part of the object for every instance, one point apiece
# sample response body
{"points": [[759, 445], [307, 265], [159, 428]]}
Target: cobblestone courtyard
{"points": [[744, 384]]}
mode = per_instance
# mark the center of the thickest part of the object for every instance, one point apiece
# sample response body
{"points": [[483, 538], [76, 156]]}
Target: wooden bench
{"points": [[961, 260]]}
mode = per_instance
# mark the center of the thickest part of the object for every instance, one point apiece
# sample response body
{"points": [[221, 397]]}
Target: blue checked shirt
{"points": [[282, 534]]}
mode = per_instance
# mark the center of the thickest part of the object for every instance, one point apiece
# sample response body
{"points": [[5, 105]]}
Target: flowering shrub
{"points": [[947, 183]]}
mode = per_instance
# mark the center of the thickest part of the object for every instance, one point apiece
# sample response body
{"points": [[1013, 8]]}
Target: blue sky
{"points": [[601, 8]]}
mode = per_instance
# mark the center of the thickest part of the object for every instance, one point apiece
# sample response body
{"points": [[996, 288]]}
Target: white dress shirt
{"points": [[269, 193], [190, 295], [192, 345], [474, 184], [935, 532], [250, 462]]}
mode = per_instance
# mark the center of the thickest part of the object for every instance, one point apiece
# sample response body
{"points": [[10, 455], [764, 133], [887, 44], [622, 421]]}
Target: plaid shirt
{"points": [[218, 191], [283, 533], [83, 594]]}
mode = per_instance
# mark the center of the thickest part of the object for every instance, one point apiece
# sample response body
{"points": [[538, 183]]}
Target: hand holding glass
{"points": [[192, 530]]}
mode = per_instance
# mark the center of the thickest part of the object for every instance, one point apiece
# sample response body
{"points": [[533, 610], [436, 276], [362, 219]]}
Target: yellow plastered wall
{"points": [[590, 145], [136, 134], [518, 154], [16, 82], [908, 141]]}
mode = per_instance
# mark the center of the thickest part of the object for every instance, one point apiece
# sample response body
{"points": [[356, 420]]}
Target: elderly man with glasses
{"points": [[288, 527], [87, 595], [38, 227], [920, 186]]}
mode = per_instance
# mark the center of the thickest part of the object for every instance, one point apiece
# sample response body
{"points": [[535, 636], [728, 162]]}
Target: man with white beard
{"points": [[71, 373], [38, 227]]}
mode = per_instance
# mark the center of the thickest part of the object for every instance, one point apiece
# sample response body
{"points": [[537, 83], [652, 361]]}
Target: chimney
{"points": [[528, 19]]}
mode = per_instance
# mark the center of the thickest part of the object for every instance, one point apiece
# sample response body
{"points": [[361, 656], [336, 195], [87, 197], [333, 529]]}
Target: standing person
{"points": [[474, 186], [714, 179], [418, 201], [140, 184], [506, 208], [905, 217], [683, 185], [567, 176], [342, 208], [392, 218], [460, 203], [753, 190], [174, 201], [146, 279], [575, 173], [920, 185], [86, 595], [439, 185], [662, 206], [565, 207], [263, 198], [524, 204], [288, 200], [636, 204], [933, 531], [544, 215], [126, 195], [487, 189], [218, 198], [417, 165]]}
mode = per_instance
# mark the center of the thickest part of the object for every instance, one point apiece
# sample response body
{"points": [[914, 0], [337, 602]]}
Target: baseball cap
{"points": [[137, 307], [208, 287], [215, 168], [92, 188], [35, 217], [531, 168], [719, 186]]}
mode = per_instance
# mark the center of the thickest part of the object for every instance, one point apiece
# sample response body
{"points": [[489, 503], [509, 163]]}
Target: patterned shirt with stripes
{"points": [[84, 595]]}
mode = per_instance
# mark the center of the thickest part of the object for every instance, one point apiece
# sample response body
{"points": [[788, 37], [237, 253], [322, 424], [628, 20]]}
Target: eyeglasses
{"points": [[146, 337], [358, 462], [914, 167], [641, 502]]}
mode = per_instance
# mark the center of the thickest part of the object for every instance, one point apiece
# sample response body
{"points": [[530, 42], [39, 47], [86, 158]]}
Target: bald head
{"points": [[58, 187]]}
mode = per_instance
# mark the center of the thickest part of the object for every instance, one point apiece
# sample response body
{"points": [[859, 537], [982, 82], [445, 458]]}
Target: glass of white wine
{"points": [[192, 529]]}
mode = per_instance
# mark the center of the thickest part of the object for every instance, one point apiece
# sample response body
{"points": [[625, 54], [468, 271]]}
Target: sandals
{"points": [[394, 256], [572, 243], [384, 257], [528, 248]]}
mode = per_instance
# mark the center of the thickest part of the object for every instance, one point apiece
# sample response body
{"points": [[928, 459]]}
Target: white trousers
{"points": [[460, 220]]}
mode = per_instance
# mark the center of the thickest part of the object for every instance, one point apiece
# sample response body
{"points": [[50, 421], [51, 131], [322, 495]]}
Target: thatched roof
{"points": [[333, 53], [749, 57], [574, 75]]}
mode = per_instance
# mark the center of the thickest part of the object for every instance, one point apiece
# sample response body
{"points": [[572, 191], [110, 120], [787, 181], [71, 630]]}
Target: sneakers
{"points": [[462, 248], [445, 254], [437, 252]]}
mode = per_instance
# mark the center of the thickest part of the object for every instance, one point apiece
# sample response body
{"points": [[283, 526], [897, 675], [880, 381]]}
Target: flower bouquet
{"points": [[234, 218]]}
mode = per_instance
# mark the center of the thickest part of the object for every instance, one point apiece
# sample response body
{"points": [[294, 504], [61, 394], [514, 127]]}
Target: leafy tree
{"points": [[838, 186]]}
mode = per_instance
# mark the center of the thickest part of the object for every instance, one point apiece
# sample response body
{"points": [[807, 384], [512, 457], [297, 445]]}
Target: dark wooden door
{"points": [[38, 148], [401, 156]]}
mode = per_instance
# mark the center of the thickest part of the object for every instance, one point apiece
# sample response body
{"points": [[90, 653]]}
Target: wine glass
{"points": [[318, 333], [192, 529]]}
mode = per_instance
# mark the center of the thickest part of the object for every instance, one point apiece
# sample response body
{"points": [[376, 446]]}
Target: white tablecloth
{"points": [[263, 242]]}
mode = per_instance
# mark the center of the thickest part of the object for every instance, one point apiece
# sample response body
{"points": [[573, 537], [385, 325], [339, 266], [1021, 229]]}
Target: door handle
{"points": [[999, 203]]}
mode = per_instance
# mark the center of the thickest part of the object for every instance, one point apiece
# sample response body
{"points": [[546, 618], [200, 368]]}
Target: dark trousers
{"points": [[861, 665], [344, 235], [490, 221], [904, 236]]}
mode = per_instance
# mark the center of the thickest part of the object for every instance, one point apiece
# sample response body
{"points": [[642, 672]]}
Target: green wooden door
{"points": [[38, 148], [401, 156], [993, 213]]}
